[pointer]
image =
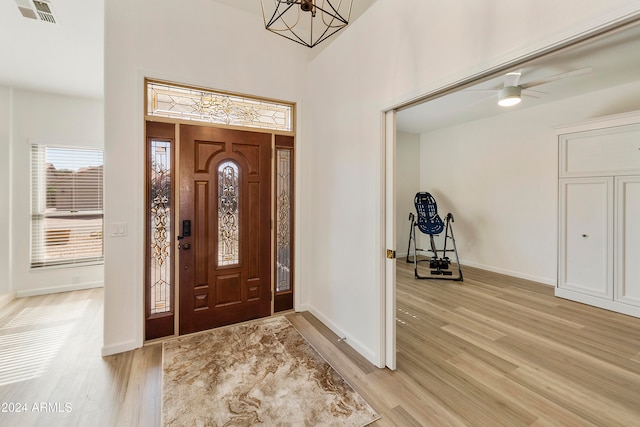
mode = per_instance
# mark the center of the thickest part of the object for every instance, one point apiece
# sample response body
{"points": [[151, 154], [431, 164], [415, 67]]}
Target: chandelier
{"points": [[307, 22]]}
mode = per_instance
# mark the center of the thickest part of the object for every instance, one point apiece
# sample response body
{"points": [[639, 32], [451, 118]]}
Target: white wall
{"points": [[502, 181], [5, 194], [57, 119], [205, 44], [397, 51], [407, 185]]}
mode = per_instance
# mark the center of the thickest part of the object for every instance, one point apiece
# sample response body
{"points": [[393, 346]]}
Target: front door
{"points": [[225, 227]]}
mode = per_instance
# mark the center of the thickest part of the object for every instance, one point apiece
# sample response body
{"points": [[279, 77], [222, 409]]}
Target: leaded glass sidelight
{"points": [[283, 223], [160, 226], [228, 213]]}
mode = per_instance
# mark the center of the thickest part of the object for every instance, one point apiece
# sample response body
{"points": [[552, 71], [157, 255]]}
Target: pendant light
{"points": [[307, 22]]}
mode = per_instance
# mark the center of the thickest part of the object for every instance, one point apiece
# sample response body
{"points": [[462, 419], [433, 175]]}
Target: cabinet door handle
{"points": [[584, 235]]}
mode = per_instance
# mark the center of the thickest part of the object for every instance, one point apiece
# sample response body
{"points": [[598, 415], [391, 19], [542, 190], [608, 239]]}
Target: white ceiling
{"points": [[358, 7], [65, 57], [68, 57], [614, 59]]}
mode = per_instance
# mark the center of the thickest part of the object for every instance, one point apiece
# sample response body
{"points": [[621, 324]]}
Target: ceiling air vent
{"points": [[36, 9], [26, 9], [44, 11]]}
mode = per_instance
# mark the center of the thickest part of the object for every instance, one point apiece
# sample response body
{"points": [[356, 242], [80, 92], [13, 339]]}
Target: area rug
{"points": [[258, 373]]}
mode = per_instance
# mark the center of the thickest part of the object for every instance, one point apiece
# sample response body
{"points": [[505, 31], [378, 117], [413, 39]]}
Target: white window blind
{"points": [[66, 206]]}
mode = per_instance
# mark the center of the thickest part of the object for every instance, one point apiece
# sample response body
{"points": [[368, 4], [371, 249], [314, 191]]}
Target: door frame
{"points": [[290, 136], [388, 149], [389, 341]]}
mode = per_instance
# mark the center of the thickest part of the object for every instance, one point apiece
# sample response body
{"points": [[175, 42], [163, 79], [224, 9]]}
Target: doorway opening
{"points": [[603, 52]]}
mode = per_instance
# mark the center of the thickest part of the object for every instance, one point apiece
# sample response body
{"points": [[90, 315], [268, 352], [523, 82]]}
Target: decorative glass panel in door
{"points": [[160, 245], [284, 224], [228, 222], [159, 275]]}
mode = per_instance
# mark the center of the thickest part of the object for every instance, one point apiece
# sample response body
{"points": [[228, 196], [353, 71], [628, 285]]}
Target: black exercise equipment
{"points": [[430, 223]]}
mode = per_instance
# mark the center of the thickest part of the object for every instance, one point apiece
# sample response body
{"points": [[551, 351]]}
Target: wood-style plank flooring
{"points": [[51, 369], [490, 351]]}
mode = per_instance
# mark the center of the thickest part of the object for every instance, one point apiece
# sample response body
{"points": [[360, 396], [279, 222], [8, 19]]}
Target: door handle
{"points": [[185, 246]]}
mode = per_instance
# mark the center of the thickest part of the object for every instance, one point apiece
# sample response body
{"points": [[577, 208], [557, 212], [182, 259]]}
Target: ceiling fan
{"points": [[512, 91]]}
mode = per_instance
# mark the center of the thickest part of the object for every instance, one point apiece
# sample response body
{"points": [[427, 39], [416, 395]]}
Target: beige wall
{"points": [[5, 193], [53, 119], [206, 44], [407, 185], [396, 51], [502, 182]]}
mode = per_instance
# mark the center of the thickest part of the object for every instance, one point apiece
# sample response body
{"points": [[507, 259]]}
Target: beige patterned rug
{"points": [[258, 373]]}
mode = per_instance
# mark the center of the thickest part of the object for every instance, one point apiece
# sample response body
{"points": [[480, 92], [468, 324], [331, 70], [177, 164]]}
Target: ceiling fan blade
{"points": [[532, 92], [480, 101], [480, 90], [555, 77]]}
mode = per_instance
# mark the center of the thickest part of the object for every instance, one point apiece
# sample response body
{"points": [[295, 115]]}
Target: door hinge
{"points": [[270, 295], [391, 254]]}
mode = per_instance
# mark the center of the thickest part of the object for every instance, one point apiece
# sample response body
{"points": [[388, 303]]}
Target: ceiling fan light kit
{"points": [[509, 96], [307, 22]]}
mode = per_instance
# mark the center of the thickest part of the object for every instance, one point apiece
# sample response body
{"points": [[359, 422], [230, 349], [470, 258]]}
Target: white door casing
{"points": [[390, 239]]}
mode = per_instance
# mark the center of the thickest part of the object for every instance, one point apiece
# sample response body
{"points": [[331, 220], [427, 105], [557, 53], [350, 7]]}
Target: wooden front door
{"points": [[225, 234]]}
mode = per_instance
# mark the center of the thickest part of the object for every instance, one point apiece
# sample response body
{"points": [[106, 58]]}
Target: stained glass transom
{"points": [[185, 103], [228, 217], [160, 223], [283, 225]]}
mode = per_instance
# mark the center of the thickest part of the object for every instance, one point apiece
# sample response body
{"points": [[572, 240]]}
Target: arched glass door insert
{"points": [[228, 213]]}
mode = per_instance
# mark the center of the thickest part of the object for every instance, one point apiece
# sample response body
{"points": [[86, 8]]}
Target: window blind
{"points": [[66, 206]]}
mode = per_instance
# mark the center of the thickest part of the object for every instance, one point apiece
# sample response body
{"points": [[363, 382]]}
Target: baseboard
{"points": [[5, 299], [538, 279], [355, 344], [57, 289], [606, 304], [121, 347]]}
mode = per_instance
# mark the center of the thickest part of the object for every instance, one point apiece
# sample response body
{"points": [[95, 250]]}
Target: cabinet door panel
{"points": [[601, 152], [628, 240], [586, 236]]}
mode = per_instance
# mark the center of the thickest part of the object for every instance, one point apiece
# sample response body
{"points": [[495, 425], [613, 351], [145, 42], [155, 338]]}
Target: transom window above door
{"points": [[187, 103]]}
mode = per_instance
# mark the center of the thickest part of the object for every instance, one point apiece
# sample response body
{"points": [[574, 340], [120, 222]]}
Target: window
{"points": [[66, 206], [185, 103]]}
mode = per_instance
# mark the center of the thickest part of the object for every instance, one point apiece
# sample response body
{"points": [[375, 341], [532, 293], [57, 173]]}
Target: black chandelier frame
{"points": [[332, 20]]}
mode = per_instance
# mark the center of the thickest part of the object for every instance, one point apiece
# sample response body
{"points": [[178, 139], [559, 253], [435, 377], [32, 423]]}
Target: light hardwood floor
{"points": [[490, 351]]}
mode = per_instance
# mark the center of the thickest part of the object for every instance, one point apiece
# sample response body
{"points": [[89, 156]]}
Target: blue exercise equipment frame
{"points": [[430, 223]]}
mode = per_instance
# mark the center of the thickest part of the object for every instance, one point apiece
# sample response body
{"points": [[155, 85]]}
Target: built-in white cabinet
{"points": [[599, 213], [627, 234], [586, 236]]}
